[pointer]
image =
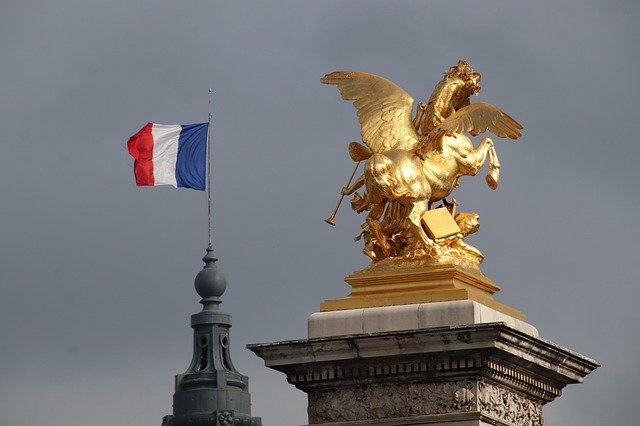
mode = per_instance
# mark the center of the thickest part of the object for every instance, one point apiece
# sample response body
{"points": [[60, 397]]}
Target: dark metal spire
{"points": [[211, 392]]}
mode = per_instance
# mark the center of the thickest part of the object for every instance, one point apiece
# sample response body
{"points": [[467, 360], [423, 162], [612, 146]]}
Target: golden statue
{"points": [[414, 162]]}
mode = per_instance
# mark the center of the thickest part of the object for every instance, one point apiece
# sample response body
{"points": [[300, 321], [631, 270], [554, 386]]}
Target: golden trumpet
{"points": [[358, 153], [331, 220]]}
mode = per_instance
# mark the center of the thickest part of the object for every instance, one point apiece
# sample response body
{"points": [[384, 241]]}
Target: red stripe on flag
{"points": [[141, 149]]}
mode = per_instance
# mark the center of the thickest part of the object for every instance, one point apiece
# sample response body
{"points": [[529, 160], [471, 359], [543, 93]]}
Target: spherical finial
{"points": [[210, 281]]}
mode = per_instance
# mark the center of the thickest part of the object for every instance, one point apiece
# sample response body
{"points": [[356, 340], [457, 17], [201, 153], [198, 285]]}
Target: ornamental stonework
{"points": [[508, 406], [381, 401]]}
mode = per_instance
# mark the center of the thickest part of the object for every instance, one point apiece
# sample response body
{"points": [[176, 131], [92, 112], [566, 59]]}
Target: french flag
{"points": [[170, 155]]}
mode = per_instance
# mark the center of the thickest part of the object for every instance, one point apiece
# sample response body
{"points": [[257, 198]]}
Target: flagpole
{"points": [[209, 169]]}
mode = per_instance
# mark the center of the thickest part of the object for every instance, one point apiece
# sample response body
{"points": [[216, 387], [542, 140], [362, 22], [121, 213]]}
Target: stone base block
{"points": [[409, 317], [479, 374]]}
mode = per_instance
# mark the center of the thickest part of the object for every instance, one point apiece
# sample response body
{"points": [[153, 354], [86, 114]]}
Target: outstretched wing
{"points": [[478, 118], [384, 109]]}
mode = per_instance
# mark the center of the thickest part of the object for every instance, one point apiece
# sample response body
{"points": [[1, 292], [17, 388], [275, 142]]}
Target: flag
{"points": [[170, 155]]}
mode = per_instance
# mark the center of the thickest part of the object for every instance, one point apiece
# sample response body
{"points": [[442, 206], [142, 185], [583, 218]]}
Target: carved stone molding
{"points": [[508, 406], [385, 401], [443, 367], [520, 380], [382, 368], [381, 401]]}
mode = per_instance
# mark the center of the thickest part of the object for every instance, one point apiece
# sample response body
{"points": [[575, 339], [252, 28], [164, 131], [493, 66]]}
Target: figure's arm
{"points": [[351, 189]]}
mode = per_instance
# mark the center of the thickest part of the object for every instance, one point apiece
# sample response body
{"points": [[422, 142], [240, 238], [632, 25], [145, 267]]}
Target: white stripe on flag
{"points": [[165, 153]]}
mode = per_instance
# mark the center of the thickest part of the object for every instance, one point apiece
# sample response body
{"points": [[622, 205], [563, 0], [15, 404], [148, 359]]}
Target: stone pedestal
{"points": [[409, 317], [454, 362], [389, 283]]}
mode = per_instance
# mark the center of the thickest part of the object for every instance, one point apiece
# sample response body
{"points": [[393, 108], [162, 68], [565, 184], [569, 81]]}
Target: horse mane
{"points": [[450, 94]]}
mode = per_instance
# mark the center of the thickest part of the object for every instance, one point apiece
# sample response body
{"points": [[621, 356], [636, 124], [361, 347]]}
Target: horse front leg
{"points": [[493, 175], [474, 161]]}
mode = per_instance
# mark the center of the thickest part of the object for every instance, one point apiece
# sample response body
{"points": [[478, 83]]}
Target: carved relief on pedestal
{"points": [[508, 406], [380, 401]]}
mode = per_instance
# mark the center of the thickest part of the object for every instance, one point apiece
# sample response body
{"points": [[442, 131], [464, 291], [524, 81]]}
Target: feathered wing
{"points": [[384, 109], [481, 117], [475, 119]]}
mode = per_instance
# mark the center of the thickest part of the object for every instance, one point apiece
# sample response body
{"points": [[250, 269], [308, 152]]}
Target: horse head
{"points": [[451, 94]]}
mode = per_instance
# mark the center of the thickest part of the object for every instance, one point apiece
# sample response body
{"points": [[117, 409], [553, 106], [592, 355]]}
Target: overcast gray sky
{"points": [[96, 275]]}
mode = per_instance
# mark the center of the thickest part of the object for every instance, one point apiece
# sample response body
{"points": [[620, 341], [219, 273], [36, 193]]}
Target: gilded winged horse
{"points": [[414, 162]]}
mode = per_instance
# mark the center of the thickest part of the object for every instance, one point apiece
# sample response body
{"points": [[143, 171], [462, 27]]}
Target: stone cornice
{"points": [[532, 365]]}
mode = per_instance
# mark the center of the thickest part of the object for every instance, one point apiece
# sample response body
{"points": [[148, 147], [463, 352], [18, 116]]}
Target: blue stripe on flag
{"points": [[191, 164]]}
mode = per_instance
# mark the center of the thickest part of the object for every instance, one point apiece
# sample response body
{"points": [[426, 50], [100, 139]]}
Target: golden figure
{"points": [[413, 162]]}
